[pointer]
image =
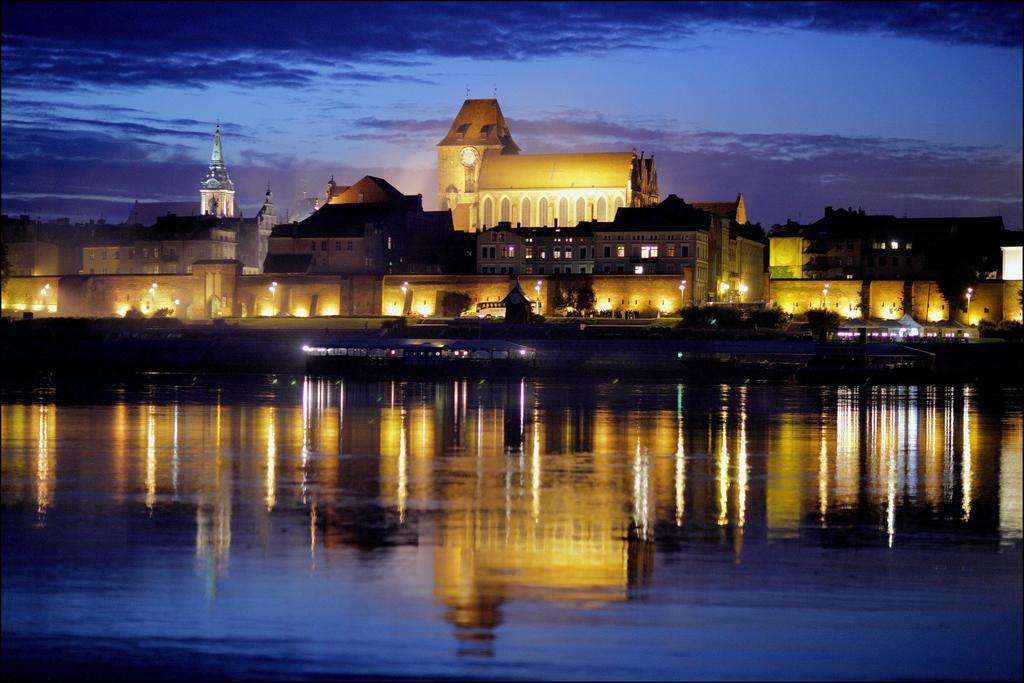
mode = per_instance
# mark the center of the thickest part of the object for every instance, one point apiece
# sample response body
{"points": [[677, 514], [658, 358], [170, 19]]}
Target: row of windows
{"points": [[527, 218], [324, 245], [539, 270], [883, 261], [645, 251]]}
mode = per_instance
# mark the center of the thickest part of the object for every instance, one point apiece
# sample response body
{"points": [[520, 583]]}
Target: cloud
{"points": [[63, 46]]}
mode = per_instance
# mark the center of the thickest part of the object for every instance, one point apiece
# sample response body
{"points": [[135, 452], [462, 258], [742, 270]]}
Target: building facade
{"points": [[484, 180], [370, 228]]}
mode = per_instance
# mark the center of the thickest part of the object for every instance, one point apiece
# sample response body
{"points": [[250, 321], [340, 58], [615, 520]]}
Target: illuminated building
{"points": [[368, 228], [483, 179], [884, 267], [217, 196]]}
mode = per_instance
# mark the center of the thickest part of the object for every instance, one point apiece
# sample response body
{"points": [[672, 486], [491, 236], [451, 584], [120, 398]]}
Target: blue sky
{"points": [[908, 108]]}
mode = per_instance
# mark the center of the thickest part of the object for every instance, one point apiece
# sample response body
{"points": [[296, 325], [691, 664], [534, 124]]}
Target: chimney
{"points": [[828, 211]]}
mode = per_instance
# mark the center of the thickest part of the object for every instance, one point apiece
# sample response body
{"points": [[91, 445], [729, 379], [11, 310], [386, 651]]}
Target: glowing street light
{"points": [[682, 292], [824, 296], [970, 291], [743, 290], [536, 288]]}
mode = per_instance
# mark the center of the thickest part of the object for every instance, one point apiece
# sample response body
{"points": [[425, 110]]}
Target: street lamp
{"points": [[273, 292], [536, 288], [970, 291], [824, 296], [682, 292], [743, 290]]}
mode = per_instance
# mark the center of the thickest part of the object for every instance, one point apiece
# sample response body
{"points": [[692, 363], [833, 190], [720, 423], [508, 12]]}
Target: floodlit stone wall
{"points": [[845, 297]]}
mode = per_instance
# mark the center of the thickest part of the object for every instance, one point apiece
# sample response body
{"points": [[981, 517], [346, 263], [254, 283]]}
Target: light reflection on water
{"points": [[479, 499]]}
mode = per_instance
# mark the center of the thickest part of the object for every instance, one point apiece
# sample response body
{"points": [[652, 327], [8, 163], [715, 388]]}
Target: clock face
{"points": [[468, 156]]}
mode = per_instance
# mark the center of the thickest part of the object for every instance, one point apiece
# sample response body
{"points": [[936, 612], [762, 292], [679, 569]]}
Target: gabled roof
{"points": [[671, 214], [480, 122], [371, 188], [543, 171], [287, 263]]}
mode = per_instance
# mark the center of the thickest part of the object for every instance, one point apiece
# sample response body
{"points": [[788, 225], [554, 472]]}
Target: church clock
{"points": [[468, 156]]}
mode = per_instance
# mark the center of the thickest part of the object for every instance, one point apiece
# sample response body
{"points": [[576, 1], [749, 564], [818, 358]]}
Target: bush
{"points": [[769, 317], [164, 313], [133, 314], [721, 317], [1010, 330]]}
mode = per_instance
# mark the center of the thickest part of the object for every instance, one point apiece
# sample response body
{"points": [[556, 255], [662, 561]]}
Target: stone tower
{"points": [[479, 127], [217, 192], [266, 219]]}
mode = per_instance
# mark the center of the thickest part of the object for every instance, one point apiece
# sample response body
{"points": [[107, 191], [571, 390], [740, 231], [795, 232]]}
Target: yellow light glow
{"points": [[424, 309], [20, 307], [52, 308], [300, 313], [267, 311], [329, 310]]}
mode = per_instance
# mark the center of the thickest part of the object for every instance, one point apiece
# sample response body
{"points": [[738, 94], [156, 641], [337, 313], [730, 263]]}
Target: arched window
{"points": [[542, 212], [616, 205], [488, 212], [506, 209], [563, 212], [581, 209], [526, 215], [602, 209]]}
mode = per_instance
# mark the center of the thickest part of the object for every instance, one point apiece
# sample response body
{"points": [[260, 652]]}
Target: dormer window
{"points": [[460, 132], [485, 131]]}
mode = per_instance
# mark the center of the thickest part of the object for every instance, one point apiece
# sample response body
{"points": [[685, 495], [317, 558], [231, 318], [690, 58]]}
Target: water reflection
{"points": [[527, 491]]}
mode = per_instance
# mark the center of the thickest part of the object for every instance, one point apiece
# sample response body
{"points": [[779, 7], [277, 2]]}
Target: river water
{"points": [[171, 527]]}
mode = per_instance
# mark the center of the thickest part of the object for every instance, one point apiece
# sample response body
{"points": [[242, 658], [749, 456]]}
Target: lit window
{"points": [[638, 270], [508, 251], [894, 245], [649, 251], [528, 252], [670, 250], [620, 250], [557, 253]]}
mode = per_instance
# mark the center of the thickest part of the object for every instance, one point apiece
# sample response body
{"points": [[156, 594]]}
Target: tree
{"points": [[454, 304], [822, 322]]}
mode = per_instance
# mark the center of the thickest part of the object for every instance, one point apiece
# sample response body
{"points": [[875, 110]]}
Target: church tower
{"points": [[217, 192], [479, 127]]}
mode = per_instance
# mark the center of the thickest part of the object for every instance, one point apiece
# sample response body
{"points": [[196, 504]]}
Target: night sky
{"points": [[908, 109]]}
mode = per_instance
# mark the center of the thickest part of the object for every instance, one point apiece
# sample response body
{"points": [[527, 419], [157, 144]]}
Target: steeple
{"points": [[217, 192], [217, 158]]}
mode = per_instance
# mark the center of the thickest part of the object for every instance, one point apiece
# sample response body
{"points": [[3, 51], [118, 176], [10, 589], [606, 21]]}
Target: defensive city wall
{"points": [[217, 289]]}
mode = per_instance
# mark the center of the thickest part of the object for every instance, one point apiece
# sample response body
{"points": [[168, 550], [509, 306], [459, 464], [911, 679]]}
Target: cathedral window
{"points": [[506, 209], [542, 212], [602, 209], [581, 210], [488, 212], [563, 211], [525, 213], [617, 204]]}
